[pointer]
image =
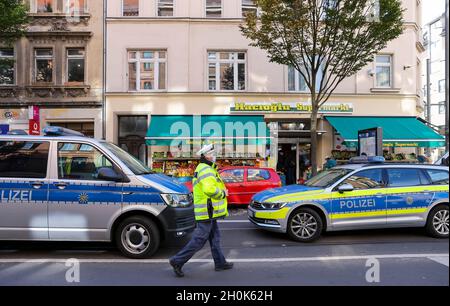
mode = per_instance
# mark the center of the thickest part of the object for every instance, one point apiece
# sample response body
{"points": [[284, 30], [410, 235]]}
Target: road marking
{"points": [[443, 260], [444, 257], [234, 221]]}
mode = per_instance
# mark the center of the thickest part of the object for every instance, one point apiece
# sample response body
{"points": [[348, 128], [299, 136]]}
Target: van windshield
{"points": [[327, 178], [134, 164]]}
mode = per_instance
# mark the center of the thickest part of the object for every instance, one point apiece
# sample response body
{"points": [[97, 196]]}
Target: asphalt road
{"points": [[378, 257]]}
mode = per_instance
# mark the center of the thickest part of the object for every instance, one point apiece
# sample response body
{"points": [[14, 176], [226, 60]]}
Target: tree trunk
{"points": [[314, 140]]}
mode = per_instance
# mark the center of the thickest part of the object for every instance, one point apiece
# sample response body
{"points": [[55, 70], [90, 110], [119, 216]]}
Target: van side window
{"points": [[366, 179], [404, 177], [77, 161], [23, 159], [438, 177]]}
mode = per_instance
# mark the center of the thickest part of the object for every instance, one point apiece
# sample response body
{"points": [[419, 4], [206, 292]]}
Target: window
{"points": [[132, 132], [233, 176], [441, 108], [44, 65], [213, 8], [438, 177], [147, 70], [296, 82], [75, 65], [23, 159], [165, 8], [404, 177], [227, 71], [367, 179], [130, 8], [441, 86], [383, 71], [44, 6], [7, 68], [248, 7], [78, 161], [87, 128], [75, 7], [256, 175]]}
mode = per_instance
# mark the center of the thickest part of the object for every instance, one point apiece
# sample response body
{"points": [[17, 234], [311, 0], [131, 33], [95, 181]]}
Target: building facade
{"points": [[56, 68], [169, 61], [434, 41]]}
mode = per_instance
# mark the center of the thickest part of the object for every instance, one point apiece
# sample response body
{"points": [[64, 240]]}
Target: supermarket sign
{"points": [[274, 108]]}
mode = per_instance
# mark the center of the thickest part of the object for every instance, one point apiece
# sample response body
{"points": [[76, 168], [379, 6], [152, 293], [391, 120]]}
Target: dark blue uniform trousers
{"points": [[205, 231]]}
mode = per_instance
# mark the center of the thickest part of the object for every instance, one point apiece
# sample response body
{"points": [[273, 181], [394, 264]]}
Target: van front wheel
{"points": [[138, 237]]}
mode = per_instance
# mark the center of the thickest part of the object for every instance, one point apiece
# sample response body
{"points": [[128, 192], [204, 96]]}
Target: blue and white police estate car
{"points": [[66, 187], [358, 196]]}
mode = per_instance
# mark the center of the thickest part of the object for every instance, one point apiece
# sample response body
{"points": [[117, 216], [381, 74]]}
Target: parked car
{"points": [[245, 182]]}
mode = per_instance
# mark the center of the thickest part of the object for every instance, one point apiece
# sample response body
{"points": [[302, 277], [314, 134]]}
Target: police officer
{"points": [[210, 204]]}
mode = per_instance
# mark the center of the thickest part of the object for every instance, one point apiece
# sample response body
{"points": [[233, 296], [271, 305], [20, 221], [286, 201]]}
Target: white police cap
{"points": [[206, 149]]}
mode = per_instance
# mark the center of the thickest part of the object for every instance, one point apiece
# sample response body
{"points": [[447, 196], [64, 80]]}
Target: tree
{"points": [[13, 20], [334, 37]]}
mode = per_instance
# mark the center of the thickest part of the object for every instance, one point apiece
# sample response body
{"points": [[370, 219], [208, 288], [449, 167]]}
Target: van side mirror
{"points": [[345, 188], [108, 174]]}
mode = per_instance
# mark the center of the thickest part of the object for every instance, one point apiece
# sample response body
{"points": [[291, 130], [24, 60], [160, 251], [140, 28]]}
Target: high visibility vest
{"points": [[210, 200]]}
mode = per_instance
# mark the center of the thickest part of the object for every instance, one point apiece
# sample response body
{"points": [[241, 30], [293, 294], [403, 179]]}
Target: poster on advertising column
{"points": [[34, 120]]}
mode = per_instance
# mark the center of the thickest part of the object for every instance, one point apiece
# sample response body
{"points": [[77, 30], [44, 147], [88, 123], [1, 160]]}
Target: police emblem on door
{"points": [[83, 198]]}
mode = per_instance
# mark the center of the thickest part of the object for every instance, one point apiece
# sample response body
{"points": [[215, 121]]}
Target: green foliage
{"points": [[338, 36], [13, 20]]}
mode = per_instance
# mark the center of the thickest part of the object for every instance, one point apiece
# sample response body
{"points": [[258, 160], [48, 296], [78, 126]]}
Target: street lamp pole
{"points": [[446, 78]]}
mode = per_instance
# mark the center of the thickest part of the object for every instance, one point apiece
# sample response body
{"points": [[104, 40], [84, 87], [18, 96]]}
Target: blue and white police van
{"points": [[360, 195], [67, 187]]}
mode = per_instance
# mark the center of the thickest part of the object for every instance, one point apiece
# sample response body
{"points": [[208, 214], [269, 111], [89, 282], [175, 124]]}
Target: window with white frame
{"points": [[296, 82], [383, 71], [7, 66], [75, 65], [165, 8], [44, 6], [227, 71], [213, 8], [130, 8], [249, 6], [43, 65], [441, 86], [441, 107], [75, 7], [147, 70]]}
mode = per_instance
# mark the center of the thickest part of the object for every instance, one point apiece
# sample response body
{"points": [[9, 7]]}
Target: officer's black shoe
{"points": [[226, 266], [177, 269]]}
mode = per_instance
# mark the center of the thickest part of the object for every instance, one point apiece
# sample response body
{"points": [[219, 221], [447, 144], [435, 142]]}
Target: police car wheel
{"points": [[305, 225], [138, 237], [437, 225]]}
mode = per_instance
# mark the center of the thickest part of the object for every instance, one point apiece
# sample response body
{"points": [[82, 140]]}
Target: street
{"points": [[405, 257]]}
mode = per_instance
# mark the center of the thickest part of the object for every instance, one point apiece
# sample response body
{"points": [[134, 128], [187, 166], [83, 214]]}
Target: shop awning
{"points": [[236, 130], [397, 131]]}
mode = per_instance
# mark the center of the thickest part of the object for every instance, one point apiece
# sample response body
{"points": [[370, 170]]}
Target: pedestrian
{"points": [[330, 163], [210, 204]]}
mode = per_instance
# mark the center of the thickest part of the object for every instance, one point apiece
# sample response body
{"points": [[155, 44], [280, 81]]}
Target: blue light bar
{"points": [[60, 131], [367, 160]]}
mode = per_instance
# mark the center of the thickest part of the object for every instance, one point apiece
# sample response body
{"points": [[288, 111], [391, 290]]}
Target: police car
{"points": [[66, 187], [358, 195]]}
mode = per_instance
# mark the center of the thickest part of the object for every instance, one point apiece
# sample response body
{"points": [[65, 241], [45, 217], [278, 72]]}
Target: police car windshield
{"points": [[135, 165], [327, 178]]}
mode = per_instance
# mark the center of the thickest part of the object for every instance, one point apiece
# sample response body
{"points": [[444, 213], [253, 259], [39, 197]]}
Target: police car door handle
{"points": [[128, 193], [37, 185], [61, 186]]}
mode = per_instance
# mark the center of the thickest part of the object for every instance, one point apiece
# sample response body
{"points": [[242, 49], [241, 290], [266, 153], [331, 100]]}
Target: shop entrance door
{"points": [[293, 158]]}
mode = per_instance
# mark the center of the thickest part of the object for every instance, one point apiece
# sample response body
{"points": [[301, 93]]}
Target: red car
{"points": [[244, 182]]}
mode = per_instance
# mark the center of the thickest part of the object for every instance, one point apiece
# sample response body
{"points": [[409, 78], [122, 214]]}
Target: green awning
{"points": [[236, 130], [397, 131]]}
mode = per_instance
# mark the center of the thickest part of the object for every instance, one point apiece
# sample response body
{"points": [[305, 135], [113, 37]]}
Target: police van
{"points": [[358, 195], [67, 187]]}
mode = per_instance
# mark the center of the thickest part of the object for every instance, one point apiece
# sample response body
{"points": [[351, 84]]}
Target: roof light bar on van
{"points": [[60, 131], [367, 160]]}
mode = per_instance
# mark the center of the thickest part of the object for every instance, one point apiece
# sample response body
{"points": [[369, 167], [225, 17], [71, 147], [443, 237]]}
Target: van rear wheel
{"points": [[438, 222], [137, 237]]}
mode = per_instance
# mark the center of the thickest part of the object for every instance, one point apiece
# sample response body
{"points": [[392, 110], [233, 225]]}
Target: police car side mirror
{"points": [[345, 188], [108, 174]]}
